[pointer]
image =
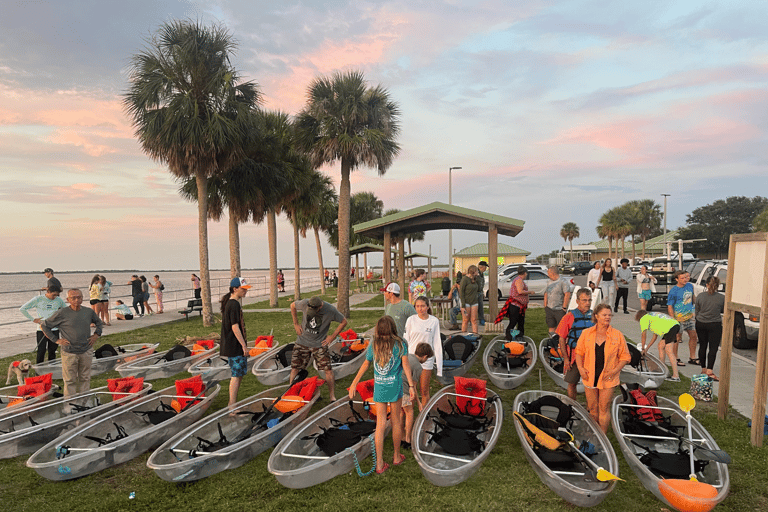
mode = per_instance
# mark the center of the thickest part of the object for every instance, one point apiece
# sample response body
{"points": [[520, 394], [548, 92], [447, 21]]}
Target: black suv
{"points": [[578, 267]]}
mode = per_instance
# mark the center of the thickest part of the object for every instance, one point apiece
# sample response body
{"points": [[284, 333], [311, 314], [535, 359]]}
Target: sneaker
{"points": [[672, 379], [615, 310]]}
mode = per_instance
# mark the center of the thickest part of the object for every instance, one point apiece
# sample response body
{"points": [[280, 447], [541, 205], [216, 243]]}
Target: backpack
{"points": [[457, 432], [106, 350], [342, 435], [552, 354]]}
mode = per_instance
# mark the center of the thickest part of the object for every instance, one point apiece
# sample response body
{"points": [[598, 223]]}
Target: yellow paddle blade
{"points": [[687, 402], [604, 476]]}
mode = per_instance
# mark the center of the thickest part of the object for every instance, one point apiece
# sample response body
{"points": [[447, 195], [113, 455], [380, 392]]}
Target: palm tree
{"points": [[648, 218], [192, 112], [321, 217], [568, 232], [363, 206], [346, 120]]}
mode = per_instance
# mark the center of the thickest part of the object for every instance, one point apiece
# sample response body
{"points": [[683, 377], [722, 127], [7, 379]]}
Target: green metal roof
{"points": [[360, 249], [482, 250], [435, 216], [419, 255], [655, 243]]}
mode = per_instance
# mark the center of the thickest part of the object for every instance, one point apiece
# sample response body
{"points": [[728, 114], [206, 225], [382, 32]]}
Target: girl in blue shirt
{"points": [[389, 355]]}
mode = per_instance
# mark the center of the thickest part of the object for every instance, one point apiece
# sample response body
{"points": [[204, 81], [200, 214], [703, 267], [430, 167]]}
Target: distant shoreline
{"points": [[119, 271]]}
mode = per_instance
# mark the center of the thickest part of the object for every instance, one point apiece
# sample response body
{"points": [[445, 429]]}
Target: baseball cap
{"points": [[315, 302], [483, 263], [391, 288], [239, 282], [48, 270]]}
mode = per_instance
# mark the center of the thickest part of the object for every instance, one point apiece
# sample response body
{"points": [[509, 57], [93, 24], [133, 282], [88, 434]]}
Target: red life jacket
{"points": [[649, 399], [263, 343], [121, 388], [45, 379], [31, 390], [365, 389], [469, 388], [349, 334], [189, 387], [298, 394], [202, 346]]}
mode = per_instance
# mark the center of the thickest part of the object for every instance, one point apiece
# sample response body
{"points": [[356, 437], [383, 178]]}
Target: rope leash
{"points": [[357, 463]]}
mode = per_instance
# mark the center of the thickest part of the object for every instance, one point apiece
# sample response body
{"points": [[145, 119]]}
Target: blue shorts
{"points": [[238, 365], [645, 295]]}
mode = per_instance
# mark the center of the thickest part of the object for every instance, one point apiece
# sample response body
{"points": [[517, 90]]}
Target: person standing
{"points": [[313, 339], [94, 292], [137, 294], [106, 289], [455, 297], [645, 286], [601, 353], [76, 341], [196, 285], [569, 330], [481, 268], [556, 299], [607, 282], [709, 325], [516, 304], [158, 288], [233, 338], [666, 327], [593, 276], [145, 294], [52, 281], [623, 278], [46, 305], [419, 286], [425, 328], [468, 292], [280, 281], [680, 306], [397, 308]]}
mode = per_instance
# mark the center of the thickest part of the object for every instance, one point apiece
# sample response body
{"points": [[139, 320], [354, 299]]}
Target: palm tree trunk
{"points": [[202, 229], [296, 262], [320, 260], [234, 246], [272, 233], [643, 234], [342, 294], [571, 250]]}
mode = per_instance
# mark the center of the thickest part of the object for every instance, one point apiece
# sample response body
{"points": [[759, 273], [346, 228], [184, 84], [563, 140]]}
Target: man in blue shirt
{"points": [[680, 306]]}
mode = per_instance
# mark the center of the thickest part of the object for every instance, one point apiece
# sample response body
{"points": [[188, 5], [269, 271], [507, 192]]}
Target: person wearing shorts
{"points": [[556, 299], [233, 337], [568, 331], [313, 338], [681, 306], [423, 352], [666, 327]]}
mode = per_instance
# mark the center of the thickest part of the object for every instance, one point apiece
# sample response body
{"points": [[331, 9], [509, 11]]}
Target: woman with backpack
{"points": [[601, 353], [389, 355], [158, 287]]}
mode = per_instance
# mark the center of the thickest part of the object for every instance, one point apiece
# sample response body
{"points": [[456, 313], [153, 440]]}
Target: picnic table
{"points": [[372, 285]]}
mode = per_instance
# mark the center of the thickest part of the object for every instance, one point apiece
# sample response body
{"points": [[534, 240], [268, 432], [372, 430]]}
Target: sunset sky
{"points": [[556, 111]]}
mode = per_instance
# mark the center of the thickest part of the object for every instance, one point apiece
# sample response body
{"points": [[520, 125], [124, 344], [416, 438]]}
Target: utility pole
{"points": [[666, 246], [450, 231]]}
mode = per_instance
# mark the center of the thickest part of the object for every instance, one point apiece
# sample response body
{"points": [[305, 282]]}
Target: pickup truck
{"points": [[745, 330]]}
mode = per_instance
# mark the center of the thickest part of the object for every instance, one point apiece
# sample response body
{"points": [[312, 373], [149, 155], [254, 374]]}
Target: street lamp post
{"points": [[666, 247], [450, 231]]}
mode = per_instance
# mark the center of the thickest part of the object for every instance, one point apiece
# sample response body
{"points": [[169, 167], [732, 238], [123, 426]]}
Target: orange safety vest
{"points": [[298, 394], [263, 343]]}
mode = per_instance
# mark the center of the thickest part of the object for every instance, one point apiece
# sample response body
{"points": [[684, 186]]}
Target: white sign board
{"points": [[748, 271]]}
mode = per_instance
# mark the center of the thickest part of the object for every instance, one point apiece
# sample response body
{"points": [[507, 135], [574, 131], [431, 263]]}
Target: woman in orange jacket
{"points": [[601, 353]]}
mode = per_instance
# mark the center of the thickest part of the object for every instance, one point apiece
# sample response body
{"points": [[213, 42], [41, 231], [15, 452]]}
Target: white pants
{"points": [[609, 292]]}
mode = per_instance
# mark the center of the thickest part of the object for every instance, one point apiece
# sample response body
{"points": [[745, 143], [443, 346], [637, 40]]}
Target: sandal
{"points": [[402, 459], [386, 467], [694, 361], [680, 363]]}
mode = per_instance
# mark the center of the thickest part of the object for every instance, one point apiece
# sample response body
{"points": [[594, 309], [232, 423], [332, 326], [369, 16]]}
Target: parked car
{"points": [[578, 268], [537, 282], [745, 330], [636, 268]]}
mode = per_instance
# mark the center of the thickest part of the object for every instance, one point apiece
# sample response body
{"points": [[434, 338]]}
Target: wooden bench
{"points": [[192, 306]]}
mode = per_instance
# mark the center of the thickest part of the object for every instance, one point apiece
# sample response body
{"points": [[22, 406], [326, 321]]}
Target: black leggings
{"points": [[516, 319], [45, 344], [710, 334], [621, 292]]}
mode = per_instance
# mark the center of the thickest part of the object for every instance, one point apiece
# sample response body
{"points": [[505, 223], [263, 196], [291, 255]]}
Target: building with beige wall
{"points": [[472, 255]]}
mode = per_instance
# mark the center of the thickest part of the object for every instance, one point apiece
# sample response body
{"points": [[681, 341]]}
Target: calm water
{"points": [[17, 289]]}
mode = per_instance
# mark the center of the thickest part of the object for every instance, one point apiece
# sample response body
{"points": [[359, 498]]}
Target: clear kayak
{"points": [[11, 402], [125, 354], [216, 367], [634, 446], [503, 373], [439, 466], [344, 360], [298, 461], [27, 430], [577, 485], [459, 353], [650, 372], [274, 366], [551, 362], [156, 366], [226, 439], [117, 436]]}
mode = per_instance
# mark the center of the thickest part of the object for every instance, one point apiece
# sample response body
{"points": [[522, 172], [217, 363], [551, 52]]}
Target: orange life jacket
{"points": [[359, 345], [202, 346], [469, 388], [25, 392], [121, 388], [190, 387], [263, 343], [515, 348], [45, 379], [298, 394]]}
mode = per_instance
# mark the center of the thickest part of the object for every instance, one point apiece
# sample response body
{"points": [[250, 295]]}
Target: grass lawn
{"points": [[505, 481]]}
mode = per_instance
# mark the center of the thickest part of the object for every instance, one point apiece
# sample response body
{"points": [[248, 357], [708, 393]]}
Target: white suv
{"points": [[745, 330]]}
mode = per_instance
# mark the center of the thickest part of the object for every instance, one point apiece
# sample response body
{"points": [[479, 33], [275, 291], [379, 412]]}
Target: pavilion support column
{"points": [[357, 270], [387, 264], [493, 274], [365, 264], [401, 264]]}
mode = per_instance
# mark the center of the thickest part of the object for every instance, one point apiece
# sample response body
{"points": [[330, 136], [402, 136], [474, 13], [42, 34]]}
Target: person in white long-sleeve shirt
{"points": [[46, 305], [425, 328]]}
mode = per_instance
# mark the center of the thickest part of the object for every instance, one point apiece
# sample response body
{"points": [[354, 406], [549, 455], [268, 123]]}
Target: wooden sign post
{"points": [[746, 291]]}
